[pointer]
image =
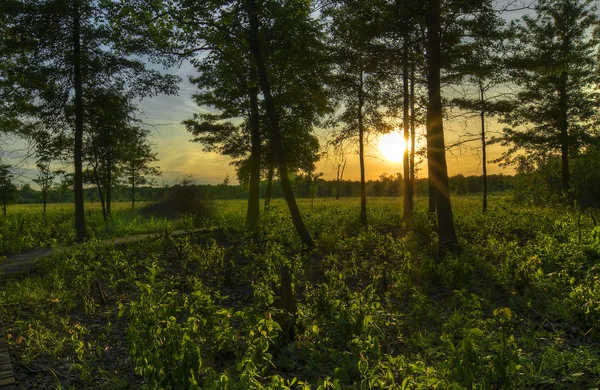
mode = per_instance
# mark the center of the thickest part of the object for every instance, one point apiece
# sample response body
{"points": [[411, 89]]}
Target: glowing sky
{"points": [[180, 158]]}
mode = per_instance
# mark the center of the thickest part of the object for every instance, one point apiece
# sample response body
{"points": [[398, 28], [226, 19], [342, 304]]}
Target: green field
{"points": [[376, 307]]}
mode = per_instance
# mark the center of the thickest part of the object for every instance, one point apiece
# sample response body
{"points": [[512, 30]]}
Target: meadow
{"points": [[376, 307]]}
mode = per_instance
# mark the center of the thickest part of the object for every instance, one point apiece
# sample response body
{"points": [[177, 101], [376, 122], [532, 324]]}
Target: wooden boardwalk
{"points": [[22, 262], [7, 378]]}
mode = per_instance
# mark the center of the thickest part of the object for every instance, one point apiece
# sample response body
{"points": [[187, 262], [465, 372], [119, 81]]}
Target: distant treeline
{"points": [[303, 188]]}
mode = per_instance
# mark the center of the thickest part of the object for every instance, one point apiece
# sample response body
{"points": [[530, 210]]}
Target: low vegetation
{"points": [[376, 307]]}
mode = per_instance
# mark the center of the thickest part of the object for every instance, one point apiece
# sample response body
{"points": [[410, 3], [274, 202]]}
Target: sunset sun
{"points": [[391, 146]]}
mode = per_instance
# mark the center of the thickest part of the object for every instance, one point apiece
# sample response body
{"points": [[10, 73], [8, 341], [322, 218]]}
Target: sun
{"points": [[391, 146]]}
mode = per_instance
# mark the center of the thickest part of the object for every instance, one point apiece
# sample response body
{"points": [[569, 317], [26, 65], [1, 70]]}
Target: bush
{"points": [[180, 200]]}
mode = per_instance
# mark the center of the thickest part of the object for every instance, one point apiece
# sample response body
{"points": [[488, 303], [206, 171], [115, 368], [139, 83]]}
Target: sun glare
{"points": [[391, 146]]}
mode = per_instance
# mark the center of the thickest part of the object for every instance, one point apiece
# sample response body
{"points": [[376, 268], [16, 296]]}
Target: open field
{"points": [[376, 307]]}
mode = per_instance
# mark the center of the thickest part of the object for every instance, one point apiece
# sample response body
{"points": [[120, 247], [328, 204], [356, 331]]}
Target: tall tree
{"points": [[255, 47], [556, 110], [137, 165], [66, 49], [353, 28], [8, 190], [484, 67], [436, 150]]}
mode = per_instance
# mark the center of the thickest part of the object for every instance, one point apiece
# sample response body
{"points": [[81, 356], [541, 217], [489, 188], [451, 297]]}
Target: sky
{"points": [[180, 158]]}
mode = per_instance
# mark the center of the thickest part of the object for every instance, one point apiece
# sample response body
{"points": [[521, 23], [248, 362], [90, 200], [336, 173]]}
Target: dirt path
{"points": [[21, 262]]}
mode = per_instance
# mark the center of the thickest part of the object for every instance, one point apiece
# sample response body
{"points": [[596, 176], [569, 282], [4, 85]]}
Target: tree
{"points": [[65, 50], [484, 67], [137, 163], [556, 110], [353, 29], [45, 179], [8, 191], [255, 47], [436, 150]]}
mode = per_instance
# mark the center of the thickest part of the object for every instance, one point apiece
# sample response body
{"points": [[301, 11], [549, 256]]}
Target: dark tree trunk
{"points": [[431, 189], [100, 194], [269, 189], [361, 154], [412, 130], [340, 176], [254, 192], [435, 131], [109, 168], [80, 232], [483, 148], [564, 115], [407, 190], [564, 132], [275, 131], [132, 188], [45, 200]]}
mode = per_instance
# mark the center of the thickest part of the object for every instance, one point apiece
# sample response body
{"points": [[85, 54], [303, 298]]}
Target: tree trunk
{"points": [[435, 131], [564, 133], [100, 194], [564, 114], [45, 200], [407, 190], [80, 232], [269, 188], [340, 176], [132, 188], [275, 131], [483, 149], [412, 130], [254, 192], [361, 153], [109, 168], [431, 189]]}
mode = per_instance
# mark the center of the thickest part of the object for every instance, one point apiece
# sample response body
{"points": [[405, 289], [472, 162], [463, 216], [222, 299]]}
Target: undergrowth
{"points": [[376, 307]]}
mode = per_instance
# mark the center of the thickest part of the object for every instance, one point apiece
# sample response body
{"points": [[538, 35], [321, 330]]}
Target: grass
{"points": [[519, 308]]}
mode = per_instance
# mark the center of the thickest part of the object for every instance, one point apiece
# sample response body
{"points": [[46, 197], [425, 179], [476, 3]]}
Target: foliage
{"points": [[555, 66], [182, 199], [8, 190], [518, 309]]}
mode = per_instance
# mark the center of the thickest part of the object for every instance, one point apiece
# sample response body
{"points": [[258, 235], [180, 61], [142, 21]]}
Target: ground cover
{"points": [[376, 308], [26, 228]]}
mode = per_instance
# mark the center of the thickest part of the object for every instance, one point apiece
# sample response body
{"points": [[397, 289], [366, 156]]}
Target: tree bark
{"points": [[435, 130], [269, 189], [407, 190], [100, 194], [564, 132], [564, 115], [109, 169], [132, 188], [254, 41], [483, 148], [340, 176], [431, 189], [254, 191], [45, 200], [412, 130], [361, 153], [80, 231]]}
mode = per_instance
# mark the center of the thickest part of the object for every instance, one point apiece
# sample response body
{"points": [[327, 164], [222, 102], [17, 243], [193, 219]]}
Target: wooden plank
{"points": [[6, 374], [7, 378], [7, 382]]}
